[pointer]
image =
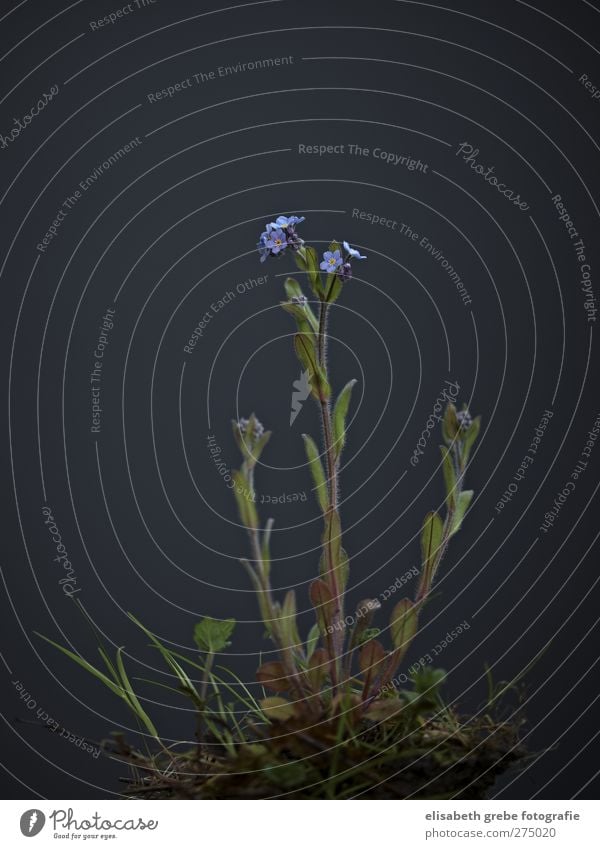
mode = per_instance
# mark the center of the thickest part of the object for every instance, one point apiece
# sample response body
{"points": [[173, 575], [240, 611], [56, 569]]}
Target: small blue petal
{"points": [[353, 252]]}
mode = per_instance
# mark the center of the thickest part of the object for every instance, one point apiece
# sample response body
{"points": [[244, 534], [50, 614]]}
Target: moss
{"points": [[443, 759]]}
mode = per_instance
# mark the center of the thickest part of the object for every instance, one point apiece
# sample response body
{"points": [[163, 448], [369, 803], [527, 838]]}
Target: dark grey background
{"points": [[174, 224]]}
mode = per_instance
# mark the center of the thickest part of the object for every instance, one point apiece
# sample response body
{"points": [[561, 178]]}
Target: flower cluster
{"points": [[251, 428], [336, 263], [279, 235], [464, 420]]}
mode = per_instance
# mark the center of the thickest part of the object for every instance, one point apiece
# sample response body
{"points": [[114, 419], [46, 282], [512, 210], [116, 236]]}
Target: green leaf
{"points": [[307, 354], [307, 260], [318, 474], [403, 625], [427, 679], [265, 549], [312, 640], [431, 538], [449, 476], [334, 289], [450, 425], [302, 318], [250, 447], [109, 664], [274, 707], [469, 438], [340, 412], [185, 681], [287, 621], [115, 688], [131, 697], [259, 445], [292, 288], [304, 313], [431, 550], [461, 508], [366, 635], [245, 500], [212, 635], [362, 632], [343, 570]]}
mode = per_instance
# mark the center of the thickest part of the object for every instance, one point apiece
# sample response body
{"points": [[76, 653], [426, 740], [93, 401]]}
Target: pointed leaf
{"points": [[470, 437], [307, 355], [449, 476], [371, 655], [340, 412], [343, 570], [184, 680], [431, 538], [431, 549], [302, 314], [245, 500], [403, 625], [288, 620], [450, 425], [461, 508], [131, 697], [259, 445], [116, 689], [334, 289], [318, 475], [312, 640], [265, 548], [322, 601], [307, 260], [292, 288]]}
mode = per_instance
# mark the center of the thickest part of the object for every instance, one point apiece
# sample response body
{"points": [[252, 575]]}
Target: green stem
{"points": [[337, 635]]}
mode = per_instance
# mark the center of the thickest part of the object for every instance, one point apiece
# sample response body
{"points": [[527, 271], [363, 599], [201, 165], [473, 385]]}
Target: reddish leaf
{"points": [[371, 655], [272, 675], [322, 600]]}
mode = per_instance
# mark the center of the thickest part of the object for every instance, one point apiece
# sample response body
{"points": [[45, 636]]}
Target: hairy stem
{"points": [[337, 635]]}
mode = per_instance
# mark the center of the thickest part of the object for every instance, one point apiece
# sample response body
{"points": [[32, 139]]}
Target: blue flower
{"points": [[276, 241], [352, 252], [283, 222], [331, 261], [279, 235], [263, 250]]}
